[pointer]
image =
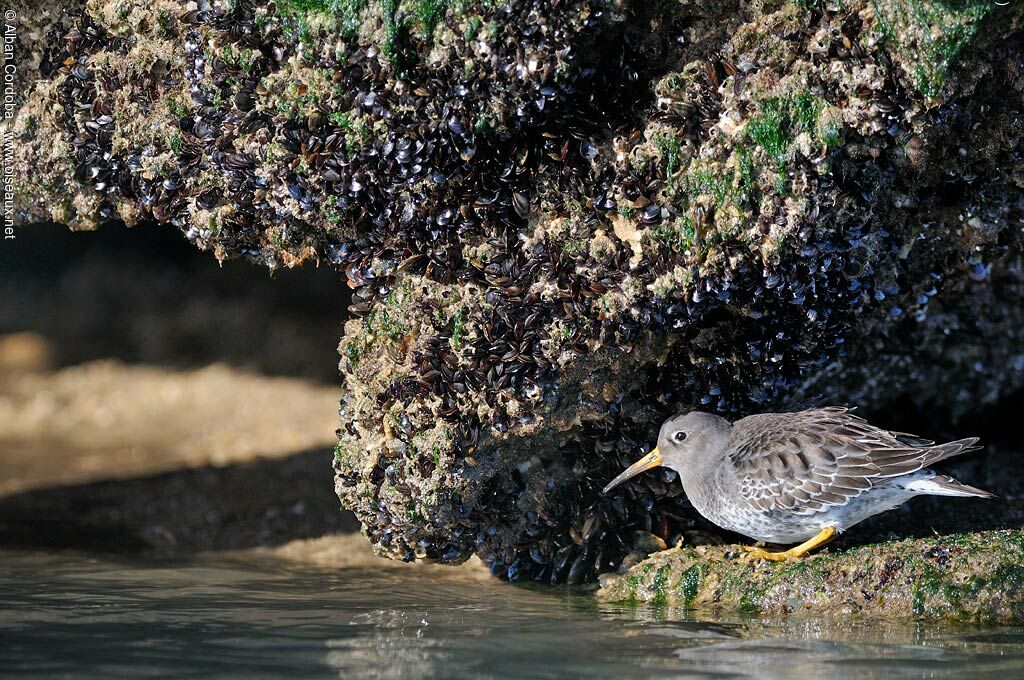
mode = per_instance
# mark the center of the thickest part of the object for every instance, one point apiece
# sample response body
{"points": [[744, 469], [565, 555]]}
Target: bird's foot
{"points": [[755, 554], [758, 553]]}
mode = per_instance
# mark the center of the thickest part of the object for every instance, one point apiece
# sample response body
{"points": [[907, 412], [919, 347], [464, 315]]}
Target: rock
{"points": [[564, 221], [535, 379], [976, 577]]}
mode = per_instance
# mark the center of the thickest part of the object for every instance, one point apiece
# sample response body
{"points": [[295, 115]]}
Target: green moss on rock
{"points": [[928, 36], [964, 577]]}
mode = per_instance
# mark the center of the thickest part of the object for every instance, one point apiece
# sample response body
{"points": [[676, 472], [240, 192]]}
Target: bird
{"points": [[798, 477]]}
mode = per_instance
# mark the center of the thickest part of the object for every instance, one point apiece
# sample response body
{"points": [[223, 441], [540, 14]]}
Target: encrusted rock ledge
{"points": [[564, 220], [977, 577]]}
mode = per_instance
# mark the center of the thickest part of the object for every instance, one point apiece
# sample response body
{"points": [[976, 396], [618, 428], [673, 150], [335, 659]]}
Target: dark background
{"points": [[145, 295]]}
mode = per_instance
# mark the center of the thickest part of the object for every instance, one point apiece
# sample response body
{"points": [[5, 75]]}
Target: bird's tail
{"points": [[938, 452], [944, 485]]}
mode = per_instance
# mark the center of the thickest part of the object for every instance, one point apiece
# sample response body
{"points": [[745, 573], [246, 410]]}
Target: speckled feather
{"points": [[808, 461]]}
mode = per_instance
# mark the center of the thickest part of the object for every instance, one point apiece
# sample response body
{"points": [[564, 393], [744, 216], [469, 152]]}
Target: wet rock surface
{"points": [[975, 577], [563, 221]]}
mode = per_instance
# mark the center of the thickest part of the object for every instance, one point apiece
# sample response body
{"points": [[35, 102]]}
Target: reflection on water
{"points": [[256, 616]]}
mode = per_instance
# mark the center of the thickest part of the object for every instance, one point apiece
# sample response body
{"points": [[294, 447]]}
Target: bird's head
{"points": [[680, 443]]}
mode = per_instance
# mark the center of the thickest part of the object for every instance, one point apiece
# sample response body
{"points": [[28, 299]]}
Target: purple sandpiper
{"points": [[798, 477]]}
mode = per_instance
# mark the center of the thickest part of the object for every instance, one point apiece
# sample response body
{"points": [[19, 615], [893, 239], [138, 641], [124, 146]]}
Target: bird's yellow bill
{"points": [[651, 460]]}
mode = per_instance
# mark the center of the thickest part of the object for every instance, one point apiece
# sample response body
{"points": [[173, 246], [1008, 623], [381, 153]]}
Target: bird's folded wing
{"points": [[809, 461]]}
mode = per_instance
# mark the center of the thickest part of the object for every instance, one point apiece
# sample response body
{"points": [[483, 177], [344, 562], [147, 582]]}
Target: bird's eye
{"points": [[679, 436]]}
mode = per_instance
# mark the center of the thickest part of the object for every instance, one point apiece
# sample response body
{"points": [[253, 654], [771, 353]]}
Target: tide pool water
{"points": [[65, 614]]}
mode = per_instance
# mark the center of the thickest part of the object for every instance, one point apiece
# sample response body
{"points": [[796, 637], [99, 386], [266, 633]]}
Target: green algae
{"points": [[780, 119], [709, 195], [632, 586], [930, 35], [356, 130], [388, 317], [658, 585], [710, 182], [669, 146], [395, 33], [689, 584], [297, 100], [769, 130], [346, 14], [473, 27], [353, 353], [429, 13], [717, 199], [747, 169], [458, 328], [679, 234]]}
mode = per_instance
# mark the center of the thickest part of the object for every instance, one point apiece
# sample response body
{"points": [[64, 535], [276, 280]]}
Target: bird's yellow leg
{"points": [[823, 537]]}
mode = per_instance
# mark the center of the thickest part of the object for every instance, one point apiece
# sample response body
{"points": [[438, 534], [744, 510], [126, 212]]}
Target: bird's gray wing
{"points": [[808, 461]]}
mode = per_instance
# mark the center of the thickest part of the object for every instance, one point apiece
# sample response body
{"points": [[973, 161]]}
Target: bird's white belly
{"points": [[795, 526]]}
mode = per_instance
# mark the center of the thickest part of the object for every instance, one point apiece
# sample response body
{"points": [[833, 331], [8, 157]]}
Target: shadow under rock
{"points": [[146, 295], [264, 502]]}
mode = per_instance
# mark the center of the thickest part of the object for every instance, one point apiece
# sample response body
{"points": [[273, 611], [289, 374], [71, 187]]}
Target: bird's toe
{"points": [[758, 554]]}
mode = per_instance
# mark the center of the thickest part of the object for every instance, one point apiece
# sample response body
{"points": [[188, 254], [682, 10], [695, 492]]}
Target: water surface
{"points": [[65, 614]]}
